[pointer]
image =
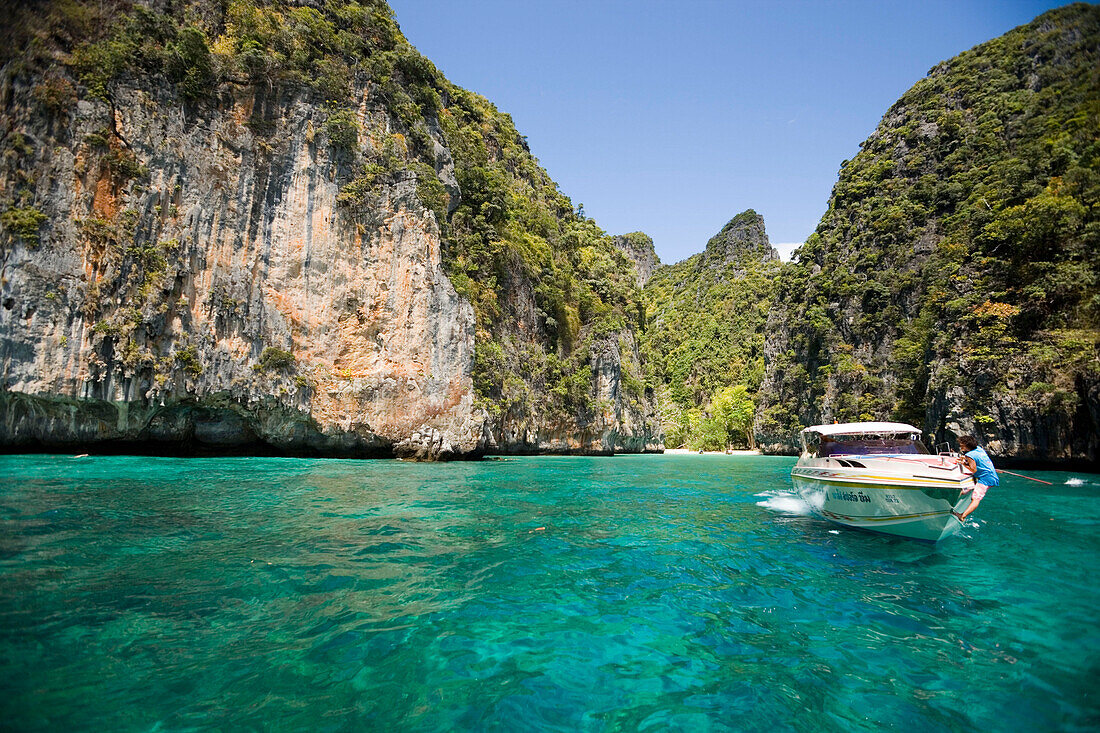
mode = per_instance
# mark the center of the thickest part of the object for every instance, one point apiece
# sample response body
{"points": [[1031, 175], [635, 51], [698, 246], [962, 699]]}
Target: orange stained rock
{"points": [[284, 304], [104, 202], [242, 110]]}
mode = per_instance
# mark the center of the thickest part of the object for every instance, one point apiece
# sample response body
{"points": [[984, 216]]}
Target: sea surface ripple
{"points": [[627, 593]]}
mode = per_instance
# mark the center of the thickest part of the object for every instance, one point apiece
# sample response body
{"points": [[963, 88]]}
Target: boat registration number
{"points": [[859, 496]]}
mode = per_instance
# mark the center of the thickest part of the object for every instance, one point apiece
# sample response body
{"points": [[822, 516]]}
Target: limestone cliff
{"points": [[638, 247], [213, 242], [704, 334], [952, 282], [743, 240]]}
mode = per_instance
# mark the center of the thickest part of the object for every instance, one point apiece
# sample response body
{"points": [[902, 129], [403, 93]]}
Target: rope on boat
{"points": [[1039, 480]]}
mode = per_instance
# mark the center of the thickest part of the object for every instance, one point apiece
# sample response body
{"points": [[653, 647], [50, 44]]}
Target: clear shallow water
{"points": [[631, 593]]}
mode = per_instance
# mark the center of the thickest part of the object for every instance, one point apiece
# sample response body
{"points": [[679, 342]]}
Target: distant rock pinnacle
{"points": [[743, 237]]}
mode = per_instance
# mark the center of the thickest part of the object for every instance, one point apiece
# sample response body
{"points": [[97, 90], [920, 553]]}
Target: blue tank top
{"points": [[985, 474]]}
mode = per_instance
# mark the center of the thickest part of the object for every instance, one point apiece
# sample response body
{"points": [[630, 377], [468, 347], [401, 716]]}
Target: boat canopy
{"points": [[862, 439], [863, 428]]}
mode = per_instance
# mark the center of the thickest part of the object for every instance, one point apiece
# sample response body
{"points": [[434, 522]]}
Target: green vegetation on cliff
{"points": [[23, 222], [956, 270], [517, 250], [705, 335]]}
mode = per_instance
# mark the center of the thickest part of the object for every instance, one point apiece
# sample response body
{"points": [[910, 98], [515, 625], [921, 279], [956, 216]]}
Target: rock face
{"points": [[638, 247], [952, 281], [244, 252], [201, 276], [742, 239], [617, 422]]}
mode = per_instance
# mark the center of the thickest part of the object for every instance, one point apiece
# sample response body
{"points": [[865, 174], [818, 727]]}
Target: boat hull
{"points": [[900, 505]]}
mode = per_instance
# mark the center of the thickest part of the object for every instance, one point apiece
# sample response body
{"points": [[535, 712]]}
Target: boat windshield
{"points": [[865, 445]]}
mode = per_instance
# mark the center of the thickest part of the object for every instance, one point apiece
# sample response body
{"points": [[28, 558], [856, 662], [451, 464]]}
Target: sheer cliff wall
{"points": [[250, 265]]}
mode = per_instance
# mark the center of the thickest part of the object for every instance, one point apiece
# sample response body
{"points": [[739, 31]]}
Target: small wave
{"points": [[1075, 482]]}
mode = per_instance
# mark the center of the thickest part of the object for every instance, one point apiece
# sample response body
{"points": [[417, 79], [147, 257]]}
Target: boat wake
{"points": [[789, 502]]}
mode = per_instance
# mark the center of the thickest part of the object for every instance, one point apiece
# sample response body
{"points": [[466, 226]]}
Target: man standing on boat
{"points": [[976, 461]]}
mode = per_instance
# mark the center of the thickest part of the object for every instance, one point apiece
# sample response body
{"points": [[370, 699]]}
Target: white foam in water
{"points": [[1075, 482], [786, 503]]}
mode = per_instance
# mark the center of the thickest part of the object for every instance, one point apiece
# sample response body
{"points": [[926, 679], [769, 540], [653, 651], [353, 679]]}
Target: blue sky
{"points": [[672, 117]]}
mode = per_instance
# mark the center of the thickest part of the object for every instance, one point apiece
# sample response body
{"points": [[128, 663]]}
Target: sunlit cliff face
{"points": [[240, 248]]}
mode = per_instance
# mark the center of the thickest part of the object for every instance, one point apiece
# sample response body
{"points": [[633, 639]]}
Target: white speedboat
{"points": [[879, 476]]}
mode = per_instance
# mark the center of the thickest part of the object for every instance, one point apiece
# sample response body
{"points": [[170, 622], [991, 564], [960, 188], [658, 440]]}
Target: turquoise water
{"points": [[626, 593]]}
